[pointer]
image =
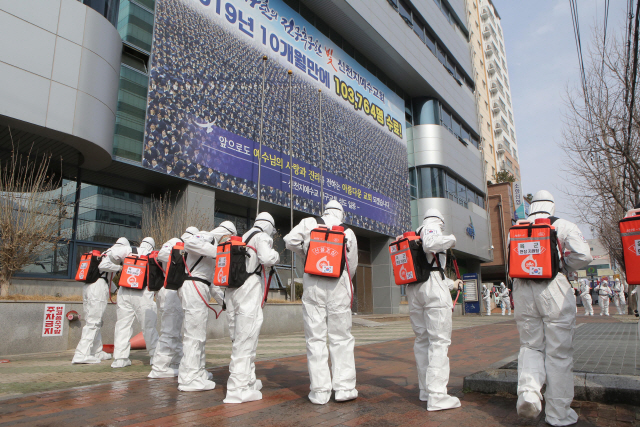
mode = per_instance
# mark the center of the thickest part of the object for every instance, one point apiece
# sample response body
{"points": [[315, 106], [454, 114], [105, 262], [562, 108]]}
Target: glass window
{"points": [[431, 183], [462, 192], [405, 11], [336, 38], [446, 119], [426, 111], [350, 50], [465, 136], [130, 116], [431, 42], [394, 3], [457, 129], [452, 186], [413, 183], [441, 55], [418, 28], [476, 143], [135, 25]]}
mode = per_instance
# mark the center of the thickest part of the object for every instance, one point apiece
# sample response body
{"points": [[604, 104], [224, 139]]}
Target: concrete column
{"points": [[202, 198]]}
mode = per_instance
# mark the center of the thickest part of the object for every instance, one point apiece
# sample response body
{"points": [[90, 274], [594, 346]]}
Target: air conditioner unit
{"points": [[485, 13], [492, 69], [500, 148], [494, 87], [496, 107], [486, 31]]}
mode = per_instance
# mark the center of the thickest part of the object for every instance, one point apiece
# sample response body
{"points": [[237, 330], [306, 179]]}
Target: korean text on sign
{"points": [[53, 320]]}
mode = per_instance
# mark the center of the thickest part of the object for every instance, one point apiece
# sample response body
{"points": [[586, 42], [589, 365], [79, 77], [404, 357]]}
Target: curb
{"points": [[602, 388]]}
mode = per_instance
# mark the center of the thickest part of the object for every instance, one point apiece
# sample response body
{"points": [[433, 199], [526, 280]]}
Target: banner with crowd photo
{"points": [[208, 84]]}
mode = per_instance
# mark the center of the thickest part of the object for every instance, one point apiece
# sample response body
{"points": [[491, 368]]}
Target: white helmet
{"points": [[123, 241], [542, 203], [265, 222], [335, 209]]}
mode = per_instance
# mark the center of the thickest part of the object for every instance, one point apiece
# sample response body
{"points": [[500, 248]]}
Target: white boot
{"points": [[319, 397], [529, 405], [440, 402], [242, 396], [121, 363], [344, 395]]}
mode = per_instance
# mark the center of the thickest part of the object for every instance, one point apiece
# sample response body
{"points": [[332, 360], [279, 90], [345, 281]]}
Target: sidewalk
{"points": [[53, 371], [387, 385]]}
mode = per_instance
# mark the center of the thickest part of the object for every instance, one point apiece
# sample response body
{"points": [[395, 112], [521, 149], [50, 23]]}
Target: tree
{"points": [[602, 140], [31, 213], [505, 176], [165, 218], [529, 197]]}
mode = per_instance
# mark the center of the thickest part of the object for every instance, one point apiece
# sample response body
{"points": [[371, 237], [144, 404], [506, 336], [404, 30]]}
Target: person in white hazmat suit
{"points": [[200, 264], [169, 349], [326, 309], [604, 294], [138, 304], [505, 299], [546, 319], [245, 304], [95, 297], [486, 298], [618, 296], [430, 311], [586, 297]]}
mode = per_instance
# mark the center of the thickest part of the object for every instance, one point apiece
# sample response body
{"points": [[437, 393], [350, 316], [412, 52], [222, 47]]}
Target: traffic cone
{"points": [[137, 342]]}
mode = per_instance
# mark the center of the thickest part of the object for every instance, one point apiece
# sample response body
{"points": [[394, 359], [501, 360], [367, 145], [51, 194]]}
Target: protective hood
{"points": [[543, 204], [617, 281], [502, 286], [190, 232], [265, 222], [335, 209], [148, 243], [224, 229], [484, 286], [123, 241], [433, 218]]}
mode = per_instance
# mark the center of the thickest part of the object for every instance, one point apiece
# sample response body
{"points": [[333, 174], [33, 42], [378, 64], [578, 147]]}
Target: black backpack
{"points": [[238, 271], [155, 273]]}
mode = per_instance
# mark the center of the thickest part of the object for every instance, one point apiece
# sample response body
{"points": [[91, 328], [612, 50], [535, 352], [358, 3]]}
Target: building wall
{"points": [[499, 194], [495, 62], [483, 98], [59, 61]]}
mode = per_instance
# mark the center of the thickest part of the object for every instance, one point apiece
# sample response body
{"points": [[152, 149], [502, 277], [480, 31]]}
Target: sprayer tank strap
{"points": [[258, 269], [199, 279]]}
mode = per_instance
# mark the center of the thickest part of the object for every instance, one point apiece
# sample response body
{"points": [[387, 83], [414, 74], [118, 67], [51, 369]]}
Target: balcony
{"points": [[488, 51], [496, 107], [485, 14], [498, 128], [500, 148], [486, 31]]}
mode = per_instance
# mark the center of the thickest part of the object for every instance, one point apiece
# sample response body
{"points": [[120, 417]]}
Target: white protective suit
{"points": [[192, 376], [586, 297], [486, 298], [505, 300], [604, 295], [169, 349], [245, 306], [618, 296], [326, 309], [546, 319], [138, 304], [430, 311], [95, 297]]}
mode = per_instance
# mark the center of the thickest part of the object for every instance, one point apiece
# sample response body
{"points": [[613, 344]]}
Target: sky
{"points": [[543, 62]]}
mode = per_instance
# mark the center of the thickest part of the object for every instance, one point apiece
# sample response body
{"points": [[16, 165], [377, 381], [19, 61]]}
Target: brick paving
{"points": [[53, 371], [387, 385]]}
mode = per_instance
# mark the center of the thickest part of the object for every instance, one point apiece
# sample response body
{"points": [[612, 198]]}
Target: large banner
{"points": [[205, 108]]}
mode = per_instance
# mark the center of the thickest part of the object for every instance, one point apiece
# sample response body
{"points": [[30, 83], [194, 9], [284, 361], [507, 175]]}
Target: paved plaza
{"points": [[387, 385]]}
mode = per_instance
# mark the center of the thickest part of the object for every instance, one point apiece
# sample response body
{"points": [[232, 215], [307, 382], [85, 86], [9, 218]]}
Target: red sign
{"points": [[53, 325]]}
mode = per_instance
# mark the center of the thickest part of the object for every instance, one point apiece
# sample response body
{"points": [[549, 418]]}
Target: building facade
{"points": [[141, 97], [502, 124]]}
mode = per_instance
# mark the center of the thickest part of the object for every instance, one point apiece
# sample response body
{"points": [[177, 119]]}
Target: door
{"points": [[363, 301]]}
